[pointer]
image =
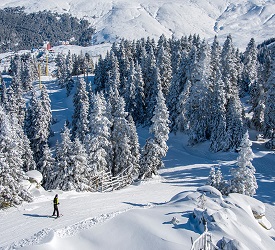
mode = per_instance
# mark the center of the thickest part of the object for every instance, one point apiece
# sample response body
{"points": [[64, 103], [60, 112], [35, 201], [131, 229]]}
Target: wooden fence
{"points": [[106, 182], [204, 242]]}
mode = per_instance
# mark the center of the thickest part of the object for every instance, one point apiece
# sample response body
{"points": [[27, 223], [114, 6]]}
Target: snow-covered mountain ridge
{"points": [[139, 18]]}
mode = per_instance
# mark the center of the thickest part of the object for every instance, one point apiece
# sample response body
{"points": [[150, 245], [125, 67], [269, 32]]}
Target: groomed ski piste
{"points": [[166, 212]]}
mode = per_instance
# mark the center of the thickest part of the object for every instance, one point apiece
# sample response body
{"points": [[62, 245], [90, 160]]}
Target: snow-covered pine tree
{"points": [[11, 174], [229, 69], [97, 142], [38, 122], [16, 104], [64, 176], [218, 140], [112, 74], [259, 90], [134, 146], [182, 122], [198, 104], [138, 113], [46, 110], [124, 65], [15, 65], [176, 51], [160, 121], [130, 90], [122, 151], [269, 113], [182, 118], [156, 148], [234, 110], [150, 159], [99, 78], [30, 116], [80, 122], [67, 80], [3, 93], [151, 78], [259, 108], [163, 61], [249, 74], [27, 72], [215, 178], [69, 65], [81, 171], [27, 156], [177, 93], [243, 177], [61, 71], [235, 126], [47, 167]]}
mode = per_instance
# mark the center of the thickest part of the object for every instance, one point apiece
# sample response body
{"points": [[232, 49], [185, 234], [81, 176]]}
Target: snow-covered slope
{"points": [[141, 18], [140, 216]]}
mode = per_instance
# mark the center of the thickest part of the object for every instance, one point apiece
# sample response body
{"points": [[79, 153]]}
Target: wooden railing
{"points": [[204, 242], [106, 182]]}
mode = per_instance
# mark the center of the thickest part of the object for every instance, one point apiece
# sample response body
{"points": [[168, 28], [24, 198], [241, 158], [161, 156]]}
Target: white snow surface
{"points": [[154, 214], [134, 19]]}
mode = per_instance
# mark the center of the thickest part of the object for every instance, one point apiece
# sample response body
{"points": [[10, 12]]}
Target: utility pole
{"points": [[39, 75], [47, 64]]}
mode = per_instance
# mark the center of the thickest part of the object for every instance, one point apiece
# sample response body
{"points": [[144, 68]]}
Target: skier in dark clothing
{"points": [[55, 205]]}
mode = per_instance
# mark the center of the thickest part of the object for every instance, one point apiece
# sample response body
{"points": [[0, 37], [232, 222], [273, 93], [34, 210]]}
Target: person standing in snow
{"points": [[55, 205]]}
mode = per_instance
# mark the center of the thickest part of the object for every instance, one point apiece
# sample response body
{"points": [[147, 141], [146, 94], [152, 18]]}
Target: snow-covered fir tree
{"points": [[80, 122], [269, 113], [219, 140], [81, 171], [229, 69], [97, 142], [16, 104], [178, 94], [156, 148], [28, 72], [46, 110], [112, 74], [47, 167], [138, 113], [151, 78], [38, 122], [64, 174], [249, 74], [243, 177], [134, 146], [234, 111], [15, 65], [164, 65], [215, 179], [198, 103], [11, 165], [3, 93], [235, 126], [123, 157], [130, 90]]}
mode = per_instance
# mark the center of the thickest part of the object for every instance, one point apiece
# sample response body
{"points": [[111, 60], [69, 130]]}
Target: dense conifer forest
{"points": [[171, 85], [19, 30]]}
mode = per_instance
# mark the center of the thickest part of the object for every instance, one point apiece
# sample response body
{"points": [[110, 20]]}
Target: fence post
{"points": [[102, 180]]}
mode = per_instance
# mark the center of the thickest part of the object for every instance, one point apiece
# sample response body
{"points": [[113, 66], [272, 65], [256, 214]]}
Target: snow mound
{"points": [[239, 219], [35, 176]]}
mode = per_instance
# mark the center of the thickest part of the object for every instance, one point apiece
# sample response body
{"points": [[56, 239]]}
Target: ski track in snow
{"points": [[67, 231]]}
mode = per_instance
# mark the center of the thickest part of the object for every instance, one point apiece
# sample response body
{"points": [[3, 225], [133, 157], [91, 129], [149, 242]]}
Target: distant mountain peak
{"points": [[139, 18]]}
